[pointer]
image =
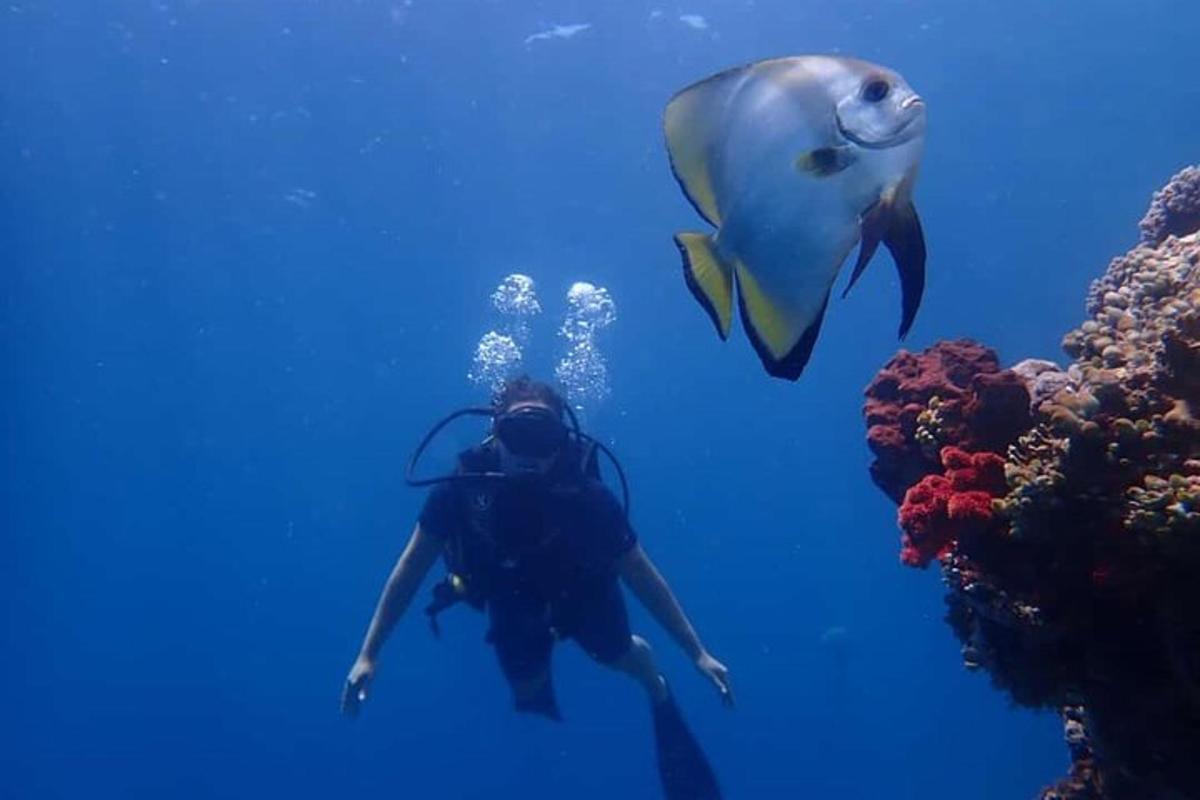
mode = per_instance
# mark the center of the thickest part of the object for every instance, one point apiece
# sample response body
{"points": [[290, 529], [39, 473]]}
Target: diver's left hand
{"points": [[354, 693], [716, 672]]}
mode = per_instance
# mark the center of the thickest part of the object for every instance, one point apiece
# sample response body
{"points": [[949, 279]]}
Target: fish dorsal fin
{"points": [[693, 123]]}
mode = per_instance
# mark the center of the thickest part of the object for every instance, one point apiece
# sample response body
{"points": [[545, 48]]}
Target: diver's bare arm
{"points": [[419, 555], [649, 586]]}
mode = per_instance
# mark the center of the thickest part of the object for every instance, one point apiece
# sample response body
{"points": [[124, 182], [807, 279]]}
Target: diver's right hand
{"points": [[355, 691]]}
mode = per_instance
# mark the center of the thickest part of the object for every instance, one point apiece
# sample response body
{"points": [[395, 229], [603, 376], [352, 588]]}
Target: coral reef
{"points": [[953, 394], [945, 509], [1066, 516], [1175, 209]]}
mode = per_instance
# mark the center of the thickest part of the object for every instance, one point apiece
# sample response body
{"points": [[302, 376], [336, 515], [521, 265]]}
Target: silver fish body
{"points": [[795, 161]]}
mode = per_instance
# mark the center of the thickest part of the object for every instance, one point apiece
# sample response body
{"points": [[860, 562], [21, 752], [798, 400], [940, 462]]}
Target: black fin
{"points": [[791, 365], [873, 227], [682, 765], [906, 242], [899, 228]]}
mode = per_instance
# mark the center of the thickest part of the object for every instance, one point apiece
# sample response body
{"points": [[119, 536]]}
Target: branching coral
{"points": [[1069, 534]]}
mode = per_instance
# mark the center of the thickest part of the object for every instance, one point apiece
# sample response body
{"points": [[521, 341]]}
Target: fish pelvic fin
{"points": [[709, 279], [899, 228], [906, 242], [783, 345]]}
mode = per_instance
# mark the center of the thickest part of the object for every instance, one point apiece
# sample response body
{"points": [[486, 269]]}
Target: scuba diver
{"points": [[530, 533]]}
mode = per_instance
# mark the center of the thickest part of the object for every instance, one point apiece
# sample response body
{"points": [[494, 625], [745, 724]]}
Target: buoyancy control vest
{"points": [[471, 550]]}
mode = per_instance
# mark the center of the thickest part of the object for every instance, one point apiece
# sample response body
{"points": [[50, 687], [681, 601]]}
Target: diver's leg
{"points": [[638, 663], [602, 629], [604, 633], [523, 650]]}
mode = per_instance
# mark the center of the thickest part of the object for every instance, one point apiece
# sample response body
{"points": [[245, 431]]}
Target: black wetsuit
{"points": [[541, 555]]}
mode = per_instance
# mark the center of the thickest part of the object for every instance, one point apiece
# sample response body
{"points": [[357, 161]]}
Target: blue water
{"points": [[246, 253]]}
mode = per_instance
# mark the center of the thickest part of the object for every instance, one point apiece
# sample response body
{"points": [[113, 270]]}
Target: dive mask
{"points": [[530, 432]]}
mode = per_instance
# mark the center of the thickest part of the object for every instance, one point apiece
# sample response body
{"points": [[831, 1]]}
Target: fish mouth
{"points": [[909, 130]]}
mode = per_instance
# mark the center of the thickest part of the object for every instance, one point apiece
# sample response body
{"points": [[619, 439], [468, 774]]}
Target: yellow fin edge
{"points": [[710, 281]]}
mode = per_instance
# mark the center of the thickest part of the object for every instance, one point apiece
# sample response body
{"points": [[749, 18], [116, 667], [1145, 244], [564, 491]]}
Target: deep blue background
{"points": [[245, 250]]}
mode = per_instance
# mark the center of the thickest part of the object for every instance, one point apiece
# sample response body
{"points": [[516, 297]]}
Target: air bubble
{"points": [[583, 370], [516, 296], [500, 352]]}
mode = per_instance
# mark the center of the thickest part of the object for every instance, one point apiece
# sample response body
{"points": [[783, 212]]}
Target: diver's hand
{"points": [[355, 691], [716, 672]]}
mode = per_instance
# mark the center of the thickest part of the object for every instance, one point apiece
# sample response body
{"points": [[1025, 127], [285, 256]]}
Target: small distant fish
{"points": [[795, 161], [558, 32], [694, 21], [301, 197]]}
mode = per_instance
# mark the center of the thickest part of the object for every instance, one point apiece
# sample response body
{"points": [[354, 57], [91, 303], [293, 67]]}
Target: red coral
{"points": [[997, 411], [943, 509], [982, 408]]}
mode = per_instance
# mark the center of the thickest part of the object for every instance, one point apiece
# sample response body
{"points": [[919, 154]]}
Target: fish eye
{"points": [[876, 90]]}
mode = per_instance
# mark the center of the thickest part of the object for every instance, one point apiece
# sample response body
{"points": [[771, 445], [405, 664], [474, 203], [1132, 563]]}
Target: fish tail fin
{"points": [[708, 277]]}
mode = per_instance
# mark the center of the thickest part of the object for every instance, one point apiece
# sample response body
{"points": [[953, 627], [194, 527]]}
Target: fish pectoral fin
{"points": [[899, 228], [784, 341], [825, 161], [708, 278]]}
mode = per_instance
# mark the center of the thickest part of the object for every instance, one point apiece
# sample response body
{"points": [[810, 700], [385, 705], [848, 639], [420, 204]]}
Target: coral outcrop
{"points": [[953, 394], [1063, 506], [943, 510], [1175, 209]]}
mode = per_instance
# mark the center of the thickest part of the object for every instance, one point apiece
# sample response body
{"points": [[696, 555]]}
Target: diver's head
{"points": [[528, 427]]}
